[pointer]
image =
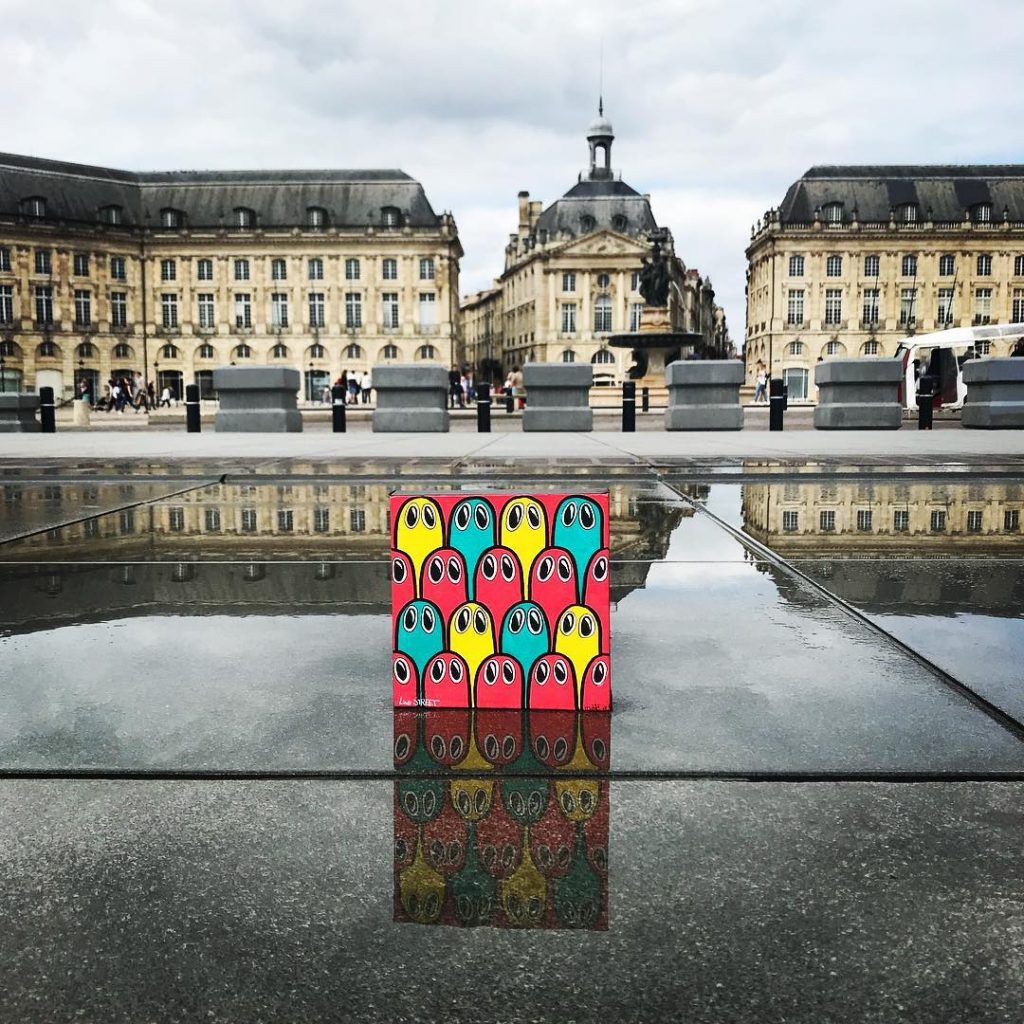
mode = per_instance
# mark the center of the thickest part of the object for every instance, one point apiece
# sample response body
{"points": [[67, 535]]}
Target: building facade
{"points": [[106, 272], [858, 258], [572, 274]]}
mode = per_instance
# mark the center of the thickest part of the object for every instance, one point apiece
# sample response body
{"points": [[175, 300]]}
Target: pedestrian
{"points": [[165, 397], [454, 388], [325, 395], [366, 384], [151, 395], [470, 386], [518, 387], [761, 388], [353, 388]]}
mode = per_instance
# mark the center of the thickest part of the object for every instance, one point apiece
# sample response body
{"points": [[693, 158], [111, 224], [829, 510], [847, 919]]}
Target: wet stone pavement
{"points": [[805, 806]]}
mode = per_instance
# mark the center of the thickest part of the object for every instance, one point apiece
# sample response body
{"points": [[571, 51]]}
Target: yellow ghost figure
{"points": [[421, 889], [578, 798], [418, 532], [524, 530], [471, 798], [471, 635], [578, 637], [523, 895]]}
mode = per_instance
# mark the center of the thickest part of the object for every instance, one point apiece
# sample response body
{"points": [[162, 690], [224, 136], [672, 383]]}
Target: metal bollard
{"points": [[628, 406], [776, 403], [338, 396], [192, 422], [508, 400], [483, 408], [925, 402], [47, 412], [645, 399]]}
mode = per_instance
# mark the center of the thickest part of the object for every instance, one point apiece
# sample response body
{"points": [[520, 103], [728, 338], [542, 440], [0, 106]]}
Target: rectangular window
{"points": [[984, 266], [212, 520], [249, 520], [83, 308], [634, 281], [5, 260], [833, 306], [168, 270], [834, 266], [285, 520], [1018, 305], [207, 314], [568, 280], [118, 309], [428, 310], [352, 270], [241, 270], [603, 315], [901, 520], [117, 268], [795, 306], [316, 269], [204, 270], [974, 518], [908, 311], [169, 310], [6, 304], [353, 309], [872, 265], [321, 520], [827, 522], [278, 270], [44, 304], [177, 518], [568, 317], [243, 310], [279, 309], [389, 270], [43, 265], [127, 521], [389, 310], [357, 520], [1011, 519], [870, 309], [790, 521], [938, 522], [796, 266], [864, 518], [635, 311], [316, 309], [427, 268], [947, 265], [80, 264], [983, 305], [944, 313]]}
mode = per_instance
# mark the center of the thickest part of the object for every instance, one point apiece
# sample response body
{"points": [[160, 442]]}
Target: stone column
{"points": [[411, 397], [257, 399], [18, 413], [858, 394], [995, 393], [704, 394], [558, 396]]}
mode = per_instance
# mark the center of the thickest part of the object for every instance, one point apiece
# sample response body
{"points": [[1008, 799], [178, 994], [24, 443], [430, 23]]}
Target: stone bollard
{"points": [[558, 396], [81, 413], [858, 394], [257, 399], [411, 397], [704, 394], [18, 413], [995, 393]]}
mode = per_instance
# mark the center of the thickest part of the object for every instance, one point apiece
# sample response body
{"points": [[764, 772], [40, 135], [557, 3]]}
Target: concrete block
{"points": [[257, 399], [18, 413], [558, 396], [704, 394], [410, 397], [995, 394], [858, 394]]}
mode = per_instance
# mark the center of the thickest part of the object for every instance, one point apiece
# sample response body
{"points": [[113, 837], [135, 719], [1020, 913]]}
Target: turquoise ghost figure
{"points": [[578, 528], [471, 531], [524, 634], [419, 633]]}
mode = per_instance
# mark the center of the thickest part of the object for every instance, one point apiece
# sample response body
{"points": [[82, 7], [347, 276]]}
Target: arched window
{"points": [[316, 217], [602, 314], [619, 223], [389, 352], [426, 352], [243, 351], [171, 218], [568, 356], [390, 216], [872, 264], [279, 351], [317, 351], [870, 348], [355, 352], [48, 350], [244, 217], [86, 350], [835, 348], [587, 223], [909, 266], [796, 266], [834, 266], [832, 213], [169, 352], [947, 264], [796, 348], [603, 357], [112, 214], [206, 351], [122, 350], [10, 349]]}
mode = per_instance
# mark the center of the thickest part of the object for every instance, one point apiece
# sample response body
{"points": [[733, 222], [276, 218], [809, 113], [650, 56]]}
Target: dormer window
{"points": [[171, 218], [619, 222], [316, 217], [33, 206], [907, 213], [390, 216], [244, 217], [587, 223], [982, 213], [112, 214], [832, 213]]}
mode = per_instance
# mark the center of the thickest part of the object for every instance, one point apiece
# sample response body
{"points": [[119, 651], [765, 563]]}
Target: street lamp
{"points": [[309, 386]]}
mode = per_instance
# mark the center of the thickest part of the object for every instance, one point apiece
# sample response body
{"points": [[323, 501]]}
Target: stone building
{"points": [[571, 277], [857, 258], [103, 272]]}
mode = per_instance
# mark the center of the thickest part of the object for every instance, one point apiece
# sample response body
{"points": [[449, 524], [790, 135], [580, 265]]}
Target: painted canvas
{"points": [[501, 601]]}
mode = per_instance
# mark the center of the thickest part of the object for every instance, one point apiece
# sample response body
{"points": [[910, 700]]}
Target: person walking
{"points": [[366, 383], [454, 388], [761, 385], [518, 387], [353, 388], [165, 397]]}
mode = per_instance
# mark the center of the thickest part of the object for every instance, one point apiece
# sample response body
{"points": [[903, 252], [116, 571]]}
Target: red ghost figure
{"points": [[444, 580], [499, 682], [553, 583], [403, 580], [552, 685], [499, 582], [596, 691], [404, 684], [446, 681], [597, 594]]}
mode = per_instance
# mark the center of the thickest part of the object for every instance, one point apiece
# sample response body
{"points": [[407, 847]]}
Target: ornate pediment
{"points": [[604, 243]]}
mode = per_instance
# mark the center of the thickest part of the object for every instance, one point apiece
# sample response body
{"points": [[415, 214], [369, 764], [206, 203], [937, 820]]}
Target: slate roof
{"points": [[603, 200], [947, 191], [76, 192]]}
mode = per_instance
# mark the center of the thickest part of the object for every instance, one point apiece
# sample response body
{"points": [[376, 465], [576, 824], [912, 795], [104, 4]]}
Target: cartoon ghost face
{"points": [[419, 633], [443, 580], [579, 528], [499, 683], [446, 682], [596, 692], [471, 531], [419, 529], [597, 593], [524, 529], [404, 681], [471, 635], [552, 684], [578, 637], [403, 579], [524, 633], [553, 583], [499, 581]]}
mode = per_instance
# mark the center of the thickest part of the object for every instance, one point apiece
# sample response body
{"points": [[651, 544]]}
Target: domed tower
{"points": [[600, 137]]}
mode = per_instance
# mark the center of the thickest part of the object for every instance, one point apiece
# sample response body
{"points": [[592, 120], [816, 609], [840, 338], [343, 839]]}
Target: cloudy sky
{"points": [[717, 104]]}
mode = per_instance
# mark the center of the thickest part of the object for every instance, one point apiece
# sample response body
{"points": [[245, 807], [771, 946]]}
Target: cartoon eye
{"points": [[508, 673], [483, 520], [402, 670], [568, 621], [437, 851], [515, 516], [428, 620], [412, 514], [586, 625], [517, 803], [541, 675], [516, 620], [398, 571], [429, 517], [462, 517], [437, 671], [480, 621], [544, 857], [508, 746], [436, 570], [401, 849], [599, 749], [600, 569], [409, 620], [411, 804], [542, 746], [599, 673], [461, 801], [568, 515], [564, 570], [489, 567], [454, 570], [587, 517], [491, 673], [508, 568], [455, 747], [534, 622], [462, 621], [561, 748], [429, 800], [455, 671], [488, 854], [567, 802], [402, 746], [508, 853], [534, 802], [561, 676], [480, 801], [490, 743], [533, 517], [586, 801], [545, 569], [437, 746]]}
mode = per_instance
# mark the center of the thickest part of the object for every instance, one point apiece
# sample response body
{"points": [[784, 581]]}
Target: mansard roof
{"points": [[280, 198], [604, 201], [941, 192]]}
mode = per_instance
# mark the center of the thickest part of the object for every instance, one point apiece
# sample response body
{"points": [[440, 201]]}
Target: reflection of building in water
{"points": [[501, 821]]}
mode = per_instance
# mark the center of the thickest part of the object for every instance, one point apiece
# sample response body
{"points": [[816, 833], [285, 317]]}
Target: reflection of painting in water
{"points": [[501, 601], [498, 823]]}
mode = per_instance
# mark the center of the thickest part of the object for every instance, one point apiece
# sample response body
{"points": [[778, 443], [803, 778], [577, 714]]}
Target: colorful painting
{"points": [[501, 601], [502, 820]]}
